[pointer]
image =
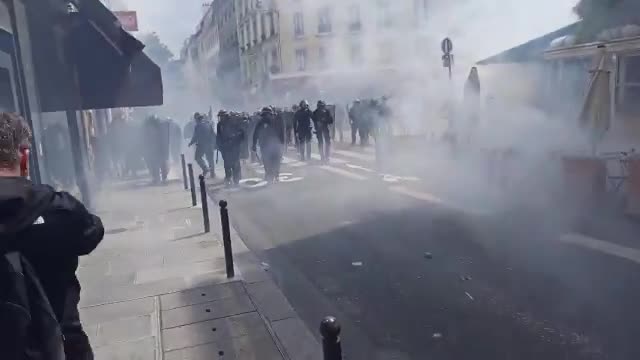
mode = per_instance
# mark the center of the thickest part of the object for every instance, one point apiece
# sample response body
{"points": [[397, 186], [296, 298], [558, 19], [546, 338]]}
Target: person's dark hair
{"points": [[14, 135]]}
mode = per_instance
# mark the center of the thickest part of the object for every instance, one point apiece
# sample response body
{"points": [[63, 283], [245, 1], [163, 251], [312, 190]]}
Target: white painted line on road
{"points": [[604, 247], [417, 194], [292, 162], [355, 155], [358, 167], [344, 173], [332, 160]]}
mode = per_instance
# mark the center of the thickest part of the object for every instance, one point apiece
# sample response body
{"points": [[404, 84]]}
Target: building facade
{"points": [[211, 56], [307, 46]]}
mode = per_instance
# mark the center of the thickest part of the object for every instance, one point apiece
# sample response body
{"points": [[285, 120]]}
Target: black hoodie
{"points": [[51, 229]]}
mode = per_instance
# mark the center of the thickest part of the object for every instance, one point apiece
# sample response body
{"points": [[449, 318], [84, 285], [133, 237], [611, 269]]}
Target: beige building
{"points": [[324, 48]]}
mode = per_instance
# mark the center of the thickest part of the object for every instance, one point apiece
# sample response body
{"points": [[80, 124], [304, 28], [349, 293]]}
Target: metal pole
{"points": [[184, 172], [205, 204], [226, 239], [192, 183], [330, 331]]}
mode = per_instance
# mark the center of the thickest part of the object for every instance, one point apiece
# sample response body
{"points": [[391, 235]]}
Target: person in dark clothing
{"points": [[230, 137], [270, 133], [354, 119], [302, 120], [322, 121], [204, 138], [156, 142], [50, 229]]}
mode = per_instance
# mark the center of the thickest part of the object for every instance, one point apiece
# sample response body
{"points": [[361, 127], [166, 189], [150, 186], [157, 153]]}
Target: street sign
{"points": [[447, 46], [128, 19]]}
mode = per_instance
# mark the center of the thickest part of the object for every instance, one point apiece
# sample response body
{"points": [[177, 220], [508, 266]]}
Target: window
{"points": [[301, 59], [324, 20], [323, 61], [272, 24], [254, 22], [355, 23], [298, 24], [628, 99], [263, 27], [385, 19]]}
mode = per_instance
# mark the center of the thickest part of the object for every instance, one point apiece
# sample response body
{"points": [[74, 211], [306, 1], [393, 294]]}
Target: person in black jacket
{"points": [[50, 229], [270, 132], [302, 121], [204, 138], [229, 140], [322, 121]]}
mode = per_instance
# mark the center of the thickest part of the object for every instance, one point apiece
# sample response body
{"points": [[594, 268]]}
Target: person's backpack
{"points": [[29, 329]]}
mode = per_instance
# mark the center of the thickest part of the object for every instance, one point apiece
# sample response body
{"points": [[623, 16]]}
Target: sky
{"points": [[497, 24]]}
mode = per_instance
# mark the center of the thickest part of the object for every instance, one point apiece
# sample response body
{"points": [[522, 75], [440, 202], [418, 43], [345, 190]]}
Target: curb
{"points": [[292, 337]]}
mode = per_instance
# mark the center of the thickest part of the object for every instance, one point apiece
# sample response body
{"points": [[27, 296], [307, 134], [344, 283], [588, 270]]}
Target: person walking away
{"points": [[322, 121], [230, 137], [175, 141], [270, 134], [354, 114], [42, 234], [303, 118], [204, 137], [156, 144]]}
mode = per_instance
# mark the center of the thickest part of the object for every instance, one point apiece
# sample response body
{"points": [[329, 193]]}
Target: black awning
{"points": [[111, 69]]}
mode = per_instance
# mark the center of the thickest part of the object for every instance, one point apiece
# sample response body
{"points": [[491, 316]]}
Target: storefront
{"points": [[66, 57]]}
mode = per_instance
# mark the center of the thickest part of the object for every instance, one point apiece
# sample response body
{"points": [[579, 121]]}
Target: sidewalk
{"points": [[156, 287]]}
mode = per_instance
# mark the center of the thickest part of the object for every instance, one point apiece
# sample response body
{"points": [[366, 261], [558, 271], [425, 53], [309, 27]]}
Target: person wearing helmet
{"points": [[302, 121], [354, 120], [269, 132], [322, 121], [156, 155], [204, 138], [230, 137]]}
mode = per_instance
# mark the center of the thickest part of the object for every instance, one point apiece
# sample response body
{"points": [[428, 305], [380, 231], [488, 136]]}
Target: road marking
{"points": [[358, 167], [332, 160], [417, 194], [604, 247], [344, 173], [292, 162], [355, 155]]}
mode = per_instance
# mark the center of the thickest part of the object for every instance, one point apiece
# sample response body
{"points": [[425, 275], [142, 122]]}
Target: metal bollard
{"points": [[205, 204], [226, 239], [192, 183], [184, 172], [330, 331]]}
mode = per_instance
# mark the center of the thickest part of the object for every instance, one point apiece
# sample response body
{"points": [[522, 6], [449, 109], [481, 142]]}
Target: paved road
{"points": [[414, 274]]}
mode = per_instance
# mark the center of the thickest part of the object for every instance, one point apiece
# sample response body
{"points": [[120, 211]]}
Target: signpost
{"points": [[447, 58]]}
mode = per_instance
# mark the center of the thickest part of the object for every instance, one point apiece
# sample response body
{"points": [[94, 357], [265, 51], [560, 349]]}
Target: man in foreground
{"points": [[46, 231]]}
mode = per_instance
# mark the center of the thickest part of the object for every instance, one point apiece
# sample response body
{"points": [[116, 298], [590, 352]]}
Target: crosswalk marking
{"points": [[602, 246], [358, 167], [355, 155], [344, 173]]}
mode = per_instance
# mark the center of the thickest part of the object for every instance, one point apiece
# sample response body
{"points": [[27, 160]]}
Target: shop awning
{"points": [[530, 51], [111, 70]]}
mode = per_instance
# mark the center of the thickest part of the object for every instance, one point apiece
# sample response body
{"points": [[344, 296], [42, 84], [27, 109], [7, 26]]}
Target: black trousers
{"points": [[354, 133], [272, 159], [232, 168], [304, 146]]}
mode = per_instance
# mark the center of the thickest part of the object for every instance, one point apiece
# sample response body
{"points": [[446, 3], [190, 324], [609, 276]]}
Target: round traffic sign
{"points": [[447, 46]]}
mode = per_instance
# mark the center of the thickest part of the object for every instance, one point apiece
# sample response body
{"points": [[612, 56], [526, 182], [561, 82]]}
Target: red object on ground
{"points": [[633, 186], [585, 179]]}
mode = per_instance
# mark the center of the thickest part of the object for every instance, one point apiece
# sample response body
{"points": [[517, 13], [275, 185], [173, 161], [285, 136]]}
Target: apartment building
{"points": [[211, 56], [309, 47]]}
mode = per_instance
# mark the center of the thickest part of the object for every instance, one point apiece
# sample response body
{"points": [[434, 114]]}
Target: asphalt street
{"points": [[414, 269]]}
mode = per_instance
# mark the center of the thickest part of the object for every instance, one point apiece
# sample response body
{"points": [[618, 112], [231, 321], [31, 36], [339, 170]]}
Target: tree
{"points": [[156, 50]]}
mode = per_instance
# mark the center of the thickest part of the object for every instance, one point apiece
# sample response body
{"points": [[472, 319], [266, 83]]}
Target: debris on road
{"points": [[428, 255], [465, 278], [357, 263], [265, 266], [437, 336], [469, 296]]}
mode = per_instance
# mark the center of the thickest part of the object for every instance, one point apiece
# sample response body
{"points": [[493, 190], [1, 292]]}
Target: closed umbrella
{"points": [[595, 116]]}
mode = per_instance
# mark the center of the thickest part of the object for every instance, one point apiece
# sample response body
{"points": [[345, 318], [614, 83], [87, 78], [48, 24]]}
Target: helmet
{"points": [[198, 116], [356, 101], [222, 113], [304, 104], [266, 110], [321, 103]]}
